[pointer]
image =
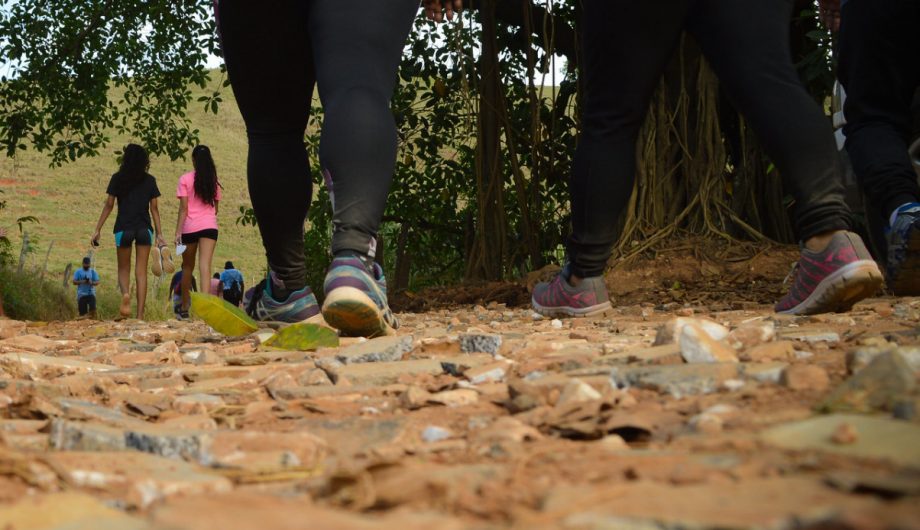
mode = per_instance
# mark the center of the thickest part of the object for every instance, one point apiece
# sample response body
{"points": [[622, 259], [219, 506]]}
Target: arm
{"points": [[106, 210], [95, 281], [183, 213], [155, 214]]}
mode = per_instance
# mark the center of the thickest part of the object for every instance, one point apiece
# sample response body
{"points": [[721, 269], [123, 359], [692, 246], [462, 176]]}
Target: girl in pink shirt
{"points": [[196, 228]]}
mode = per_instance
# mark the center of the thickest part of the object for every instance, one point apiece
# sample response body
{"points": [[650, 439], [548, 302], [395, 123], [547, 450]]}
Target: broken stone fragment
{"points": [[433, 433], [487, 373], [698, 346], [863, 356], [805, 377], [751, 335], [783, 350], [382, 349], [576, 391], [480, 343], [11, 328], [879, 386], [670, 332], [32, 343]]}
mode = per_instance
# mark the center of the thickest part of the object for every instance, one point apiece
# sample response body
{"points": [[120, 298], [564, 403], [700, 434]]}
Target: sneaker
{"points": [[903, 240], [156, 263], [559, 298], [356, 298], [260, 304], [831, 280]]}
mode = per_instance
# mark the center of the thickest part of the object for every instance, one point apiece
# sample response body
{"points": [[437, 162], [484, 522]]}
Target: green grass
{"points": [[67, 201], [28, 296]]}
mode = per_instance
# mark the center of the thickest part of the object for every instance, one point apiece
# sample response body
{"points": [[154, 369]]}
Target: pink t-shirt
{"points": [[215, 287], [201, 216]]}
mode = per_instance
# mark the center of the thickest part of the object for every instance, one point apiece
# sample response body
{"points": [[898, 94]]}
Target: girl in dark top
{"points": [[136, 193]]}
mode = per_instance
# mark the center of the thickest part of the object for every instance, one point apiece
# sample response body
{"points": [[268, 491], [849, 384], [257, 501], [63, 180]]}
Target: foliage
{"points": [[486, 134], [27, 295], [222, 316], [62, 58], [303, 337]]}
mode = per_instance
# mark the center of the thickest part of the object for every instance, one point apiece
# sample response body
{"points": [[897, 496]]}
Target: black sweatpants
{"points": [[275, 50], [627, 44], [86, 303], [880, 70]]}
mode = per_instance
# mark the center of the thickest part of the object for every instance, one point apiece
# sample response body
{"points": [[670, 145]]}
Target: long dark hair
{"points": [[205, 175], [133, 170]]}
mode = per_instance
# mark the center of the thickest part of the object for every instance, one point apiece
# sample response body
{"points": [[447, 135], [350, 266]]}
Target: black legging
{"points": [[627, 44], [275, 50]]}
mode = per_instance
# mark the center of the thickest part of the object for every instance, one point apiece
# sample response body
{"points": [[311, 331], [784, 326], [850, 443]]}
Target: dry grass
{"points": [[67, 200]]}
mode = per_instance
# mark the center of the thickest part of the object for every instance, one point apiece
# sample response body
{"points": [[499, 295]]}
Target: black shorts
{"points": [[193, 237], [86, 303], [141, 238]]}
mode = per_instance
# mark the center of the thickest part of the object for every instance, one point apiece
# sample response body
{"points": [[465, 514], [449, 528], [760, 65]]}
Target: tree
{"points": [[487, 134]]}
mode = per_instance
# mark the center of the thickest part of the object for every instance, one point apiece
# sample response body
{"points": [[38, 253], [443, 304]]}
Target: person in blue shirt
{"points": [[86, 280], [232, 280]]}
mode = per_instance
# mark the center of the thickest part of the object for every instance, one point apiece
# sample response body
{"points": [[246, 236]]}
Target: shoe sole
{"points": [[841, 290], [908, 282], [168, 266], [590, 311], [352, 312], [157, 266]]}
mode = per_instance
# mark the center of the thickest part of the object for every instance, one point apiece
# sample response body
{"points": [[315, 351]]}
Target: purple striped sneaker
{"points": [[260, 305], [559, 298], [833, 279], [356, 298]]}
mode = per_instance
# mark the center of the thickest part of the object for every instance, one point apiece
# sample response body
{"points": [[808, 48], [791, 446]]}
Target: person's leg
{"points": [[747, 44], [270, 66], [206, 248], [82, 305], [124, 279], [188, 270], [879, 43], [625, 47], [91, 302], [879, 50], [140, 278], [357, 47]]}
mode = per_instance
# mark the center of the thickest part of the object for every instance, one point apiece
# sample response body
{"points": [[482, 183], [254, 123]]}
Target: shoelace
{"points": [[791, 274]]}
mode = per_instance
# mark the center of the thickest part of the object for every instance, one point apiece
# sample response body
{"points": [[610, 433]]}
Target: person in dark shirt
{"points": [[175, 291], [135, 192]]}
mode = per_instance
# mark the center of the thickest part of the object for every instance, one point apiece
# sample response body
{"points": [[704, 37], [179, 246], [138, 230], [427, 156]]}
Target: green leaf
{"points": [[303, 337], [223, 317]]}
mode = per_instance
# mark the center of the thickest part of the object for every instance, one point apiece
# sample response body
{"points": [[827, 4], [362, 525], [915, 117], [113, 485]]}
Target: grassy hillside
{"points": [[67, 200]]}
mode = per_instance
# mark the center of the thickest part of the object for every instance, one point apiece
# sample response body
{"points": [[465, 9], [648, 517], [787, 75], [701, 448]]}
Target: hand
{"points": [[160, 241], [829, 12], [178, 239], [434, 9], [94, 241]]}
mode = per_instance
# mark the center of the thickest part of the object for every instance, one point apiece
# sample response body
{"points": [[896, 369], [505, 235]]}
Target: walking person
{"points": [[627, 45], [86, 279], [275, 52], [216, 287], [232, 284], [196, 227], [135, 192], [879, 46]]}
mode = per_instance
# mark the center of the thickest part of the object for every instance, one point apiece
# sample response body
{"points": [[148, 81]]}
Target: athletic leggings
{"points": [[628, 43], [275, 50]]}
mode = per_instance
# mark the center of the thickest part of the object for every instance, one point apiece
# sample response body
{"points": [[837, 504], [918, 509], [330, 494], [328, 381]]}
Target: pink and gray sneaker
{"points": [[560, 298], [831, 280]]}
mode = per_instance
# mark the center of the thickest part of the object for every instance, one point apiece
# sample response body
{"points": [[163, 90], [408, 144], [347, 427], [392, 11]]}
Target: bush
{"points": [[26, 296]]}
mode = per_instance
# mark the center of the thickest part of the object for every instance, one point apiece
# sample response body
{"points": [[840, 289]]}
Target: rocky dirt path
{"points": [[648, 418]]}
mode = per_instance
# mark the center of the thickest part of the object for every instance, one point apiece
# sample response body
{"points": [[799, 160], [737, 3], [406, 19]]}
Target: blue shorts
{"points": [[141, 238]]}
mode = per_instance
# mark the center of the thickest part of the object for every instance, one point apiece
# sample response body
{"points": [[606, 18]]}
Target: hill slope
{"points": [[67, 200]]}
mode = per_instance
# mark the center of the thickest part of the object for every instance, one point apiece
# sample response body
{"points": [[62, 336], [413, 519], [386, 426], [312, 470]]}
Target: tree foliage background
{"points": [[487, 130]]}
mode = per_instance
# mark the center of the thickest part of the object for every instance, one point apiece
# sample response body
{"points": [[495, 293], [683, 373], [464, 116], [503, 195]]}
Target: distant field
{"points": [[67, 200]]}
